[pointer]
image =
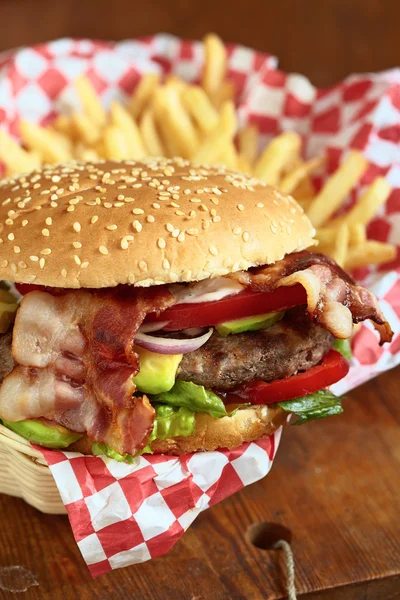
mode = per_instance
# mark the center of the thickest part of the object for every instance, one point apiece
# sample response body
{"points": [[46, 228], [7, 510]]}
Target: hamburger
{"points": [[166, 307]]}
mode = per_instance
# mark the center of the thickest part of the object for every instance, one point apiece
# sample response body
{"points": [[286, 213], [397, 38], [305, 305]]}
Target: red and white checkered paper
{"points": [[123, 514]]}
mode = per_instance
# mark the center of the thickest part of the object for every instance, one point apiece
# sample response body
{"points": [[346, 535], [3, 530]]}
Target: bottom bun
{"points": [[247, 425]]}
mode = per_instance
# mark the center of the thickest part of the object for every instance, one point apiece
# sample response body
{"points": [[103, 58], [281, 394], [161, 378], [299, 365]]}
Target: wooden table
{"points": [[335, 484]]}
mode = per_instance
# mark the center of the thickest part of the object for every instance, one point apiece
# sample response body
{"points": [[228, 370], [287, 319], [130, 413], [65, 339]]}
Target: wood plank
{"points": [[335, 484]]}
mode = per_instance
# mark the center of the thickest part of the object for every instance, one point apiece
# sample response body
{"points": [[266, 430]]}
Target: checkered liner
{"points": [[123, 514]]}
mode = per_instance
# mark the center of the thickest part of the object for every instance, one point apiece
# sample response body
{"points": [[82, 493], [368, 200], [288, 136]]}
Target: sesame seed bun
{"points": [[246, 425], [106, 223]]}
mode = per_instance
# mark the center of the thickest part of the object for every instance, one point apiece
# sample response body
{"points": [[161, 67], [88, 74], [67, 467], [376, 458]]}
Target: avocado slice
{"points": [[157, 371], [44, 434], [249, 323]]}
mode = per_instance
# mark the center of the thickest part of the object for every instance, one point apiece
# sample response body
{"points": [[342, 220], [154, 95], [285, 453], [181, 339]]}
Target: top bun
{"points": [[104, 223]]}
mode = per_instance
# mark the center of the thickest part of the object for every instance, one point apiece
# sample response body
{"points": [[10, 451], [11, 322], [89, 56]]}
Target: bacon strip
{"points": [[75, 363], [333, 298]]}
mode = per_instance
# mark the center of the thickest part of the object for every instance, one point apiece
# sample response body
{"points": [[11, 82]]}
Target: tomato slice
{"points": [[332, 368], [238, 306]]}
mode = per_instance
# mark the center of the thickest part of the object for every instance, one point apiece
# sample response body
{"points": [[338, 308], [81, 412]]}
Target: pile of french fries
{"points": [[199, 122]]}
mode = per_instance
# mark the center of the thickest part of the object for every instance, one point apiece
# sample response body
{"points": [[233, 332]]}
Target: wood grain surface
{"points": [[323, 39], [335, 484]]}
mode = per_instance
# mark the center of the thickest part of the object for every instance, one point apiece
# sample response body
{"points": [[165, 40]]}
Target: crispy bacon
{"points": [[75, 363], [334, 300]]}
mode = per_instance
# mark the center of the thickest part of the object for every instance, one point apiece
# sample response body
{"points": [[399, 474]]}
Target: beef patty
{"points": [[291, 345]]}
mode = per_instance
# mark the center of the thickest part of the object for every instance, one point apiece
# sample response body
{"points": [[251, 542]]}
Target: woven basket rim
{"points": [[13, 441]]}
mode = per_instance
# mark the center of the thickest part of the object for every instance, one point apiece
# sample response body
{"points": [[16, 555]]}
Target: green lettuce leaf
{"points": [[194, 397], [314, 406], [169, 422], [344, 347]]}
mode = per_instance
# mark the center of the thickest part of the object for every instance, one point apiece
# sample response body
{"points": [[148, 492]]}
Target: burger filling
{"points": [[128, 365]]}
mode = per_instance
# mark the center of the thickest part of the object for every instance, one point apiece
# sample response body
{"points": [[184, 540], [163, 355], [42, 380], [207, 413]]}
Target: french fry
{"points": [[85, 129], [214, 65], [326, 235], [169, 142], [123, 120], [228, 156], [248, 143], [150, 135], [115, 145], [63, 124], [200, 108], [279, 152], [90, 101], [16, 159], [358, 234], [368, 205], [216, 141], [369, 253], [82, 152], [341, 245], [336, 188], [177, 123], [242, 164], [226, 91], [176, 83], [52, 146], [291, 181], [143, 93]]}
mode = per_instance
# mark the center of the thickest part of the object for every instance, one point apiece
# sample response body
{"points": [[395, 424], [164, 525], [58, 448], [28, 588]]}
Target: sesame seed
{"points": [[181, 236], [273, 229], [170, 227], [14, 267], [11, 237], [129, 199], [42, 262], [237, 230], [161, 243], [77, 259], [112, 227], [213, 250], [142, 265], [137, 211], [215, 201], [150, 219], [136, 225], [93, 220], [107, 205], [156, 205], [34, 258], [192, 231], [119, 204], [9, 222], [245, 236], [77, 226], [240, 206], [5, 202], [125, 241], [45, 232], [103, 250], [63, 273], [17, 249], [216, 219], [131, 278], [175, 233], [45, 251], [175, 205], [54, 204], [187, 191], [4, 263], [137, 185], [56, 178], [260, 205], [85, 264], [180, 213], [166, 265], [49, 221]]}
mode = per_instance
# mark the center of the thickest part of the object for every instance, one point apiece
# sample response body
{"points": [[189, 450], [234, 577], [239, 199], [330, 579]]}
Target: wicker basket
{"points": [[24, 473]]}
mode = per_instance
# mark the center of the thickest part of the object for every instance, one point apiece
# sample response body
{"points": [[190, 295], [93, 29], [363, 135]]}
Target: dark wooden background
{"points": [[335, 484], [323, 39]]}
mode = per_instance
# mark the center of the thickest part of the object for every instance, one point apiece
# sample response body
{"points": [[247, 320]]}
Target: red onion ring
{"points": [[164, 345], [150, 327]]}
